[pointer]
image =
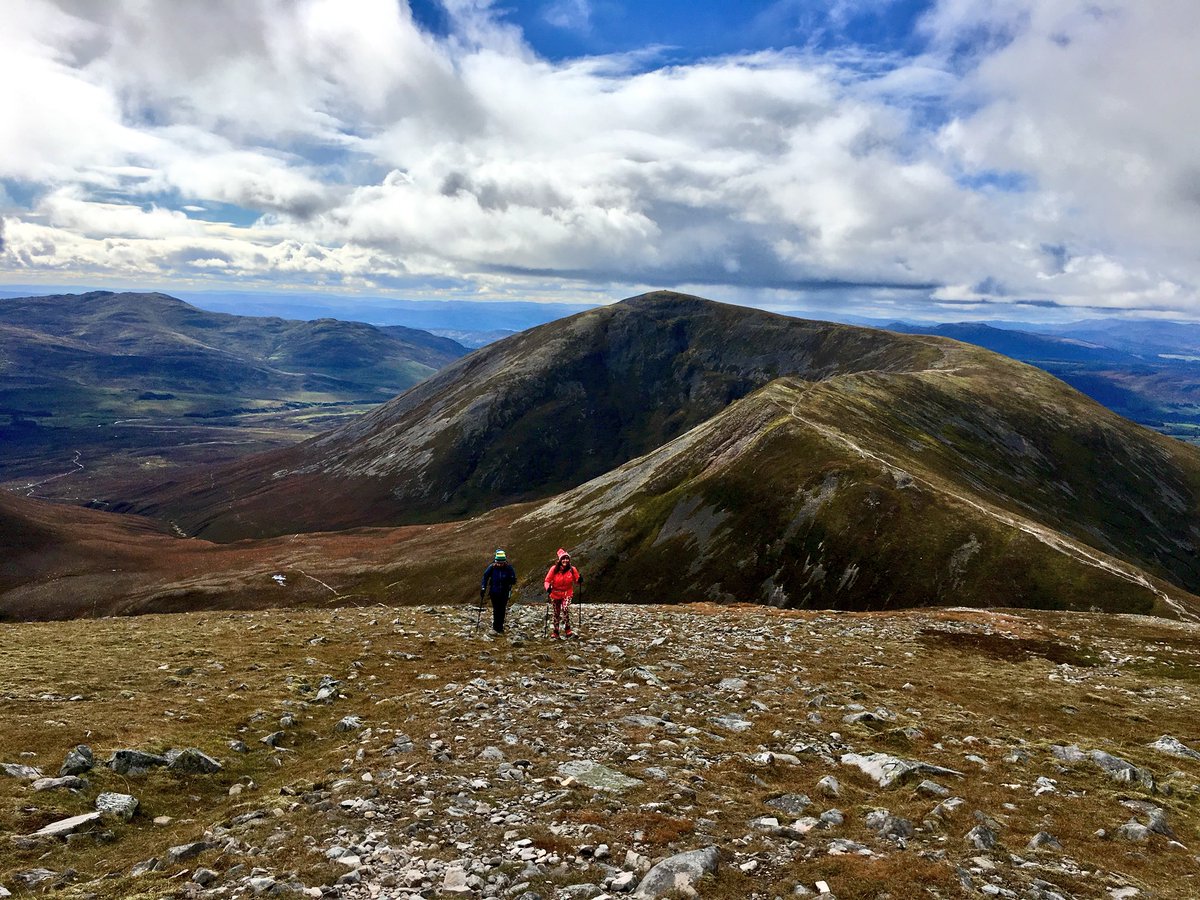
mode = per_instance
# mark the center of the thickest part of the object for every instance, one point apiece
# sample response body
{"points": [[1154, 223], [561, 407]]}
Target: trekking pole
{"points": [[479, 611]]}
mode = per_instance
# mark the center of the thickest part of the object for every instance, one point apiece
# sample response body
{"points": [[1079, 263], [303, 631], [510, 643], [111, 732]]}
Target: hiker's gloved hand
{"points": [[481, 593]]}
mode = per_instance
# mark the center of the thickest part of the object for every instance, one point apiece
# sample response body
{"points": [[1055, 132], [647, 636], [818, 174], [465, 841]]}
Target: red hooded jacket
{"points": [[561, 582]]}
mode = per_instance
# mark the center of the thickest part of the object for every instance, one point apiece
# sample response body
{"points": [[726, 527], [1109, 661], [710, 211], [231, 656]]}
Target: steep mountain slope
{"points": [[839, 494], [531, 415]]}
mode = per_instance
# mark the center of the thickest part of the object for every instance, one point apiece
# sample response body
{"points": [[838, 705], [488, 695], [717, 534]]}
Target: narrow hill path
{"points": [[79, 467], [1055, 540]]}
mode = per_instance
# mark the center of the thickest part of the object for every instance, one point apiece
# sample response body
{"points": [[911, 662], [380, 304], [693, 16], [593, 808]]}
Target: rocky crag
{"points": [[734, 752]]}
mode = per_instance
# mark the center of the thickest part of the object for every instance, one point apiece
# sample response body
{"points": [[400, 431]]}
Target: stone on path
{"points": [[594, 775], [792, 804], [194, 762], [829, 786], [455, 881], [1043, 839], [182, 852], [68, 782], [134, 762], [733, 722], [1122, 770], [35, 878], [678, 873]]}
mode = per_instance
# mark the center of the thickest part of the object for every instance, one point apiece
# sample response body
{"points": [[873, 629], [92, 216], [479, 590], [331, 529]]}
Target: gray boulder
{"points": [[733, 722], [68, 783], [118, 806], [64, 827], [1043, 839], [1173, 747], [32, 879], [183, 852], [193, 762], [983, 838], [1134, 832], [792, 804], [678, 873], [1122, 770], [594, 775], [1068, 754], [134, 762], [78, 761], [887, 770], [16, 770]]}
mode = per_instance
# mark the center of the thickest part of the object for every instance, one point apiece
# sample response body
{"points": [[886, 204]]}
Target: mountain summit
{"points": [[542, 411]]}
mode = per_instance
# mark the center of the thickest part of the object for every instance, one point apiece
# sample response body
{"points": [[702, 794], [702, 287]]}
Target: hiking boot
{"points": [[569, 633], [554, 634]]}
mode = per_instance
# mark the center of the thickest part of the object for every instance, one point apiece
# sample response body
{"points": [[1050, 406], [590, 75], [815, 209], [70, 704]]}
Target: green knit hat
{"points": [[501, 556]]}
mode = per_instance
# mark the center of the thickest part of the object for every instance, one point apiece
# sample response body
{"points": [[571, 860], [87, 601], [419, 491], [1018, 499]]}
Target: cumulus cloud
{"points": [[1030, 154]]}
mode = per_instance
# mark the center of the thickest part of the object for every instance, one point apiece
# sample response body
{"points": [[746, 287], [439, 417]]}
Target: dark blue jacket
{"points": [[502, 579]]}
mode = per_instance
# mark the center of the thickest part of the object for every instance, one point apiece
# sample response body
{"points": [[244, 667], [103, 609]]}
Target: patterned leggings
{"points": [[562, 609]]}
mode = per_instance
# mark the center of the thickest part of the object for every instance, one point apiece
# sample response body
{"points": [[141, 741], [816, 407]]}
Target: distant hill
{"points": [[1022, 345], [1146, 371], [105, 373]]}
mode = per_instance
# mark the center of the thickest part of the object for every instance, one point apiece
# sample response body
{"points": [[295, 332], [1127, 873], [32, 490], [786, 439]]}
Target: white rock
{"points": [[64, 827]]}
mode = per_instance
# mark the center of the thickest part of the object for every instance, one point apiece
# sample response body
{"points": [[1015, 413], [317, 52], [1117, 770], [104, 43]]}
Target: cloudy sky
{"points": [[957, 158]]}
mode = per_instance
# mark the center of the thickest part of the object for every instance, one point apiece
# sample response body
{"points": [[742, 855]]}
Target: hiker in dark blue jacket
{"points": [[498, 581]]}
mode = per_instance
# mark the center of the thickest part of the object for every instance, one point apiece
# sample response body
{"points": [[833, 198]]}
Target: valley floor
{"points": [[410, 754]]}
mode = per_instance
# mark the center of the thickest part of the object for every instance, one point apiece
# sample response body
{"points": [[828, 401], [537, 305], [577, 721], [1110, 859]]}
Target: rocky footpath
{"points": [[669, 752]]}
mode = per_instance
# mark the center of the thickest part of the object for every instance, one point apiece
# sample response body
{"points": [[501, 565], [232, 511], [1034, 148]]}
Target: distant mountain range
{"points": [[687, 450], [683, 450], [108, 374], [1146, 371]]}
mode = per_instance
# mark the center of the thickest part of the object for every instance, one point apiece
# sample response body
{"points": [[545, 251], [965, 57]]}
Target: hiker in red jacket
{"points": [[560, 588]]}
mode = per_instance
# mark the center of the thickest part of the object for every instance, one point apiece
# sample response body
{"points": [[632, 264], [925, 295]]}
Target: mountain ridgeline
{"points": [[691, 450], [545, 410], [684, 450]]}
